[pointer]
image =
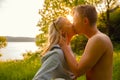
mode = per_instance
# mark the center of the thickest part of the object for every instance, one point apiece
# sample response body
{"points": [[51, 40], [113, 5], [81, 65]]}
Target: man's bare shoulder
{"points": [[100, 41], [100, 37], [95, 48]]}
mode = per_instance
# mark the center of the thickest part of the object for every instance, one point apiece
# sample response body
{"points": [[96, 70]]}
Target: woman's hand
{"points": [[63, 41]]}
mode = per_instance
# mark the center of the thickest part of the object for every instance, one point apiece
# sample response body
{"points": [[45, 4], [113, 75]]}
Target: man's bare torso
{"points": [[102, 70]]}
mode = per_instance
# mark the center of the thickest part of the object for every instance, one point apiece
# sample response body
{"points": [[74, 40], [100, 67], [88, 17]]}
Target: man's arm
{"points": [[94, 49], [72, 63]]}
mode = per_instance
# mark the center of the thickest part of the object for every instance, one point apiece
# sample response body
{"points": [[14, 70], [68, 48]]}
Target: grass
{"points": [[26, 69], [116, 67], [19, 70]]}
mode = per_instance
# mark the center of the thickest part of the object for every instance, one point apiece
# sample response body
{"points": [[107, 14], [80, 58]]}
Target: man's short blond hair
{"points": [[88, 11]]}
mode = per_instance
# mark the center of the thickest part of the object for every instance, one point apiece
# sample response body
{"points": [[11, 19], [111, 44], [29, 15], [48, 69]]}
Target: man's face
{"points": [[77, 22]]}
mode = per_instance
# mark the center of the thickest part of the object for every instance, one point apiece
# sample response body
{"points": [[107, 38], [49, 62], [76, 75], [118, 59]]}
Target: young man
{"points": [[96, 61]]}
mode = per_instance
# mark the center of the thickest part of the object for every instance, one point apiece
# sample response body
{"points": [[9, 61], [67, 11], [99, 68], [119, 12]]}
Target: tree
{"points": [[105, 8], [110, 5], [51, 10], [55, 8], [3, 42], [115, 21]]}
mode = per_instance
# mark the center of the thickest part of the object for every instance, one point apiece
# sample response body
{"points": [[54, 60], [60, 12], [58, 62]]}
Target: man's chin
{"points": [[80, 33]]}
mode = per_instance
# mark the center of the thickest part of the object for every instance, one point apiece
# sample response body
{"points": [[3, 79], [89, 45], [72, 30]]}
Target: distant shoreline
{"points": [[20, 39]]}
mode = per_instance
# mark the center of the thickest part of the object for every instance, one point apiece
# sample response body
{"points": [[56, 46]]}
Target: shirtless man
{"points": [[97, 60]]}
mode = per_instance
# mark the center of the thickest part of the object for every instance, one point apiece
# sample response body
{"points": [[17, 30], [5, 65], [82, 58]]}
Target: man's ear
{"points": [[86, 21]]}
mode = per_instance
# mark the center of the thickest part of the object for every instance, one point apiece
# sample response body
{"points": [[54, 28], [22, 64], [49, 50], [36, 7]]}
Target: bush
{"points": [[20, 69], [0, 54], [78, 43], [3, 42], [115, 24], [116, 67]]}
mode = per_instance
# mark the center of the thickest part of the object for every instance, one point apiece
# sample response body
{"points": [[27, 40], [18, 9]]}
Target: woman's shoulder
{"points": [[55, 50]]}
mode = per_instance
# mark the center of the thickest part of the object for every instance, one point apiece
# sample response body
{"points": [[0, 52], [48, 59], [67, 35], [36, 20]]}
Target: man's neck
{"points": [[69, 38], [74, 31], [71, 34], [91, 32]]}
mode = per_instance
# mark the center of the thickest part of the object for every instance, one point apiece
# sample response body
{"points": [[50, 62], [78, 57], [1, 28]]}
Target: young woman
{"points": [[54, 65]]}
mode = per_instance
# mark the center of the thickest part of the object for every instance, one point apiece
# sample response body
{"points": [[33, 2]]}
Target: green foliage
{"points": [[104, 23], [81, 78], [101, 23], [116, 46], [0, 54], [20, 69], [114, 28], [78, 43], [27, 68], [3, 42], [93, 2], [41, 39], [55, 8], [110, 5], [27, 54], [115, 21], [116, 67], [115, 16], [51, 10], [73, 3]]}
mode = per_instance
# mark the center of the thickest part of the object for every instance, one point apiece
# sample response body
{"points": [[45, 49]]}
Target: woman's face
{"points": [[77, 22], [66, 25], [67, 30]]}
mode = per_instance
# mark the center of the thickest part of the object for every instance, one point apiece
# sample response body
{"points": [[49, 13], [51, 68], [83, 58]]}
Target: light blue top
{"points": [[53, 66]]}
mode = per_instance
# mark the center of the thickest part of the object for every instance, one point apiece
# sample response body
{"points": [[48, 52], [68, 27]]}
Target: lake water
{"points": [[15, 50]]}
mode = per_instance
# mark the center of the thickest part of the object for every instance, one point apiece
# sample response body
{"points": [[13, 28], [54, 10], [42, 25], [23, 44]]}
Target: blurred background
{"points": [[24, 28]]}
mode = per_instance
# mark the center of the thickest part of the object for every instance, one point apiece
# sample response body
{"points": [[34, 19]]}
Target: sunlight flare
{"points": [[70, 18]]}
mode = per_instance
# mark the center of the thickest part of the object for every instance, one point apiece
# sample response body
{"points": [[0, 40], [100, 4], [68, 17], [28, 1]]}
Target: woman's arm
{"points": [[72, 63]]}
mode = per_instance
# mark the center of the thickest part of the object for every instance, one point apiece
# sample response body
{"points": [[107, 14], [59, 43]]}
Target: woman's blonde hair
{"points": [[54, 34]]}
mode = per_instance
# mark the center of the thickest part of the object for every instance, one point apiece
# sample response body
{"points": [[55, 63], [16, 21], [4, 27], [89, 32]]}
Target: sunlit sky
{"points": [[19, 18]]}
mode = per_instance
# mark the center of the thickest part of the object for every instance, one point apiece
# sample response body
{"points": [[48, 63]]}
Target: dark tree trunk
{"points": [[108, 19]]}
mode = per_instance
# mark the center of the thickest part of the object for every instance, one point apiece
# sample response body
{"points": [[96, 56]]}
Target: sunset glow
{"points": [[19, 18], [70, 18]]}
